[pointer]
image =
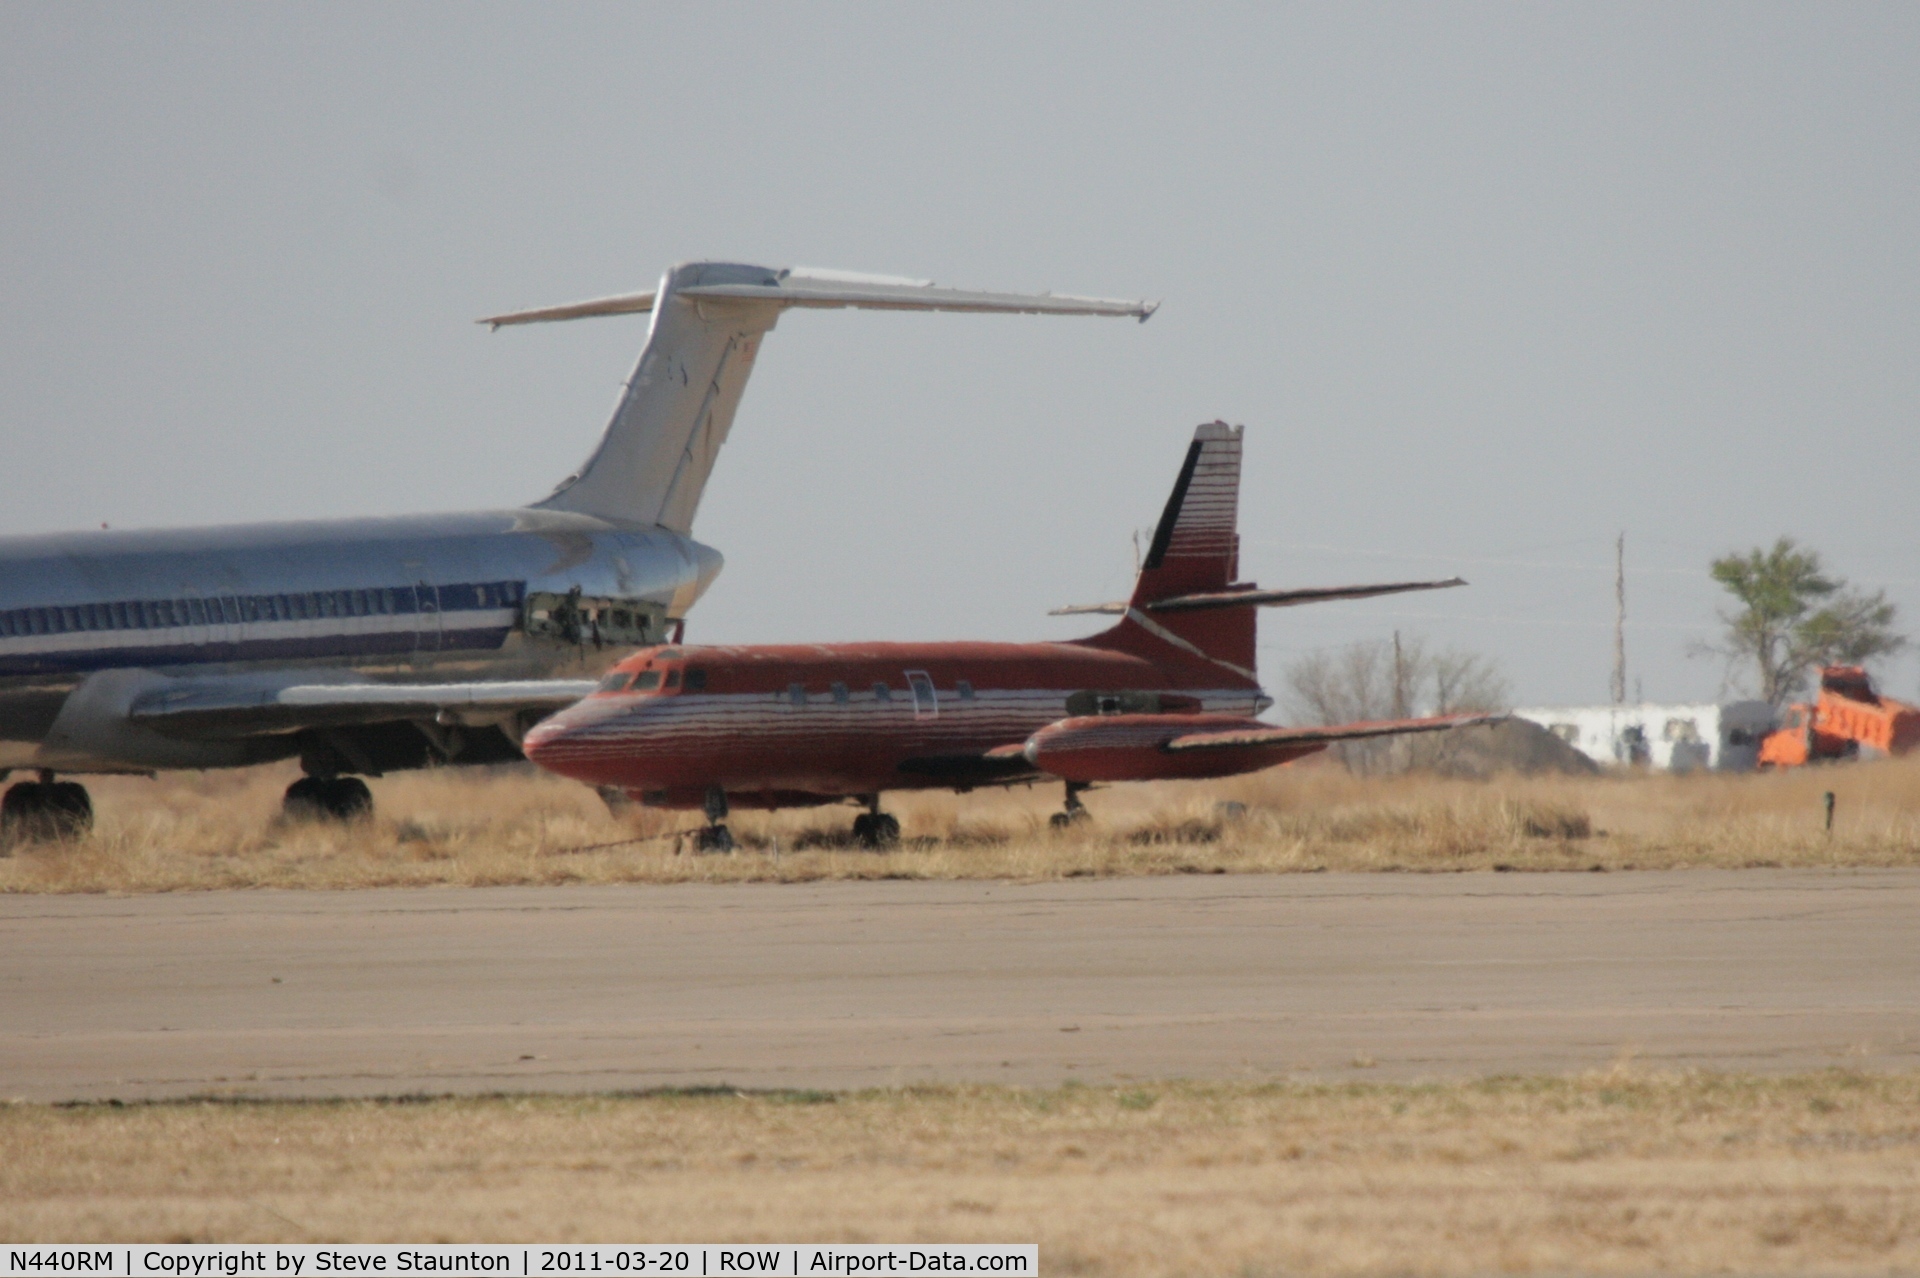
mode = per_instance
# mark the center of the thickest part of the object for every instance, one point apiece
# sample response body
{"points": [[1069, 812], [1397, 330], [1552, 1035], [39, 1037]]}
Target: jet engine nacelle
{"points": [[1133, 747]]}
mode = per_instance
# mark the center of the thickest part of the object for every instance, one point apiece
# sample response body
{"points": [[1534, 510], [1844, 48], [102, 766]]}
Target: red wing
{"points": [[1243, 737], [1002, 765]]}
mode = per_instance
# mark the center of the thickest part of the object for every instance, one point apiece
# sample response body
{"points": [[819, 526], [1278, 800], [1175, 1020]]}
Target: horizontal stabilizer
{"points": [[826, 290], [1244, 738], [709, 319], [1254, 597]]}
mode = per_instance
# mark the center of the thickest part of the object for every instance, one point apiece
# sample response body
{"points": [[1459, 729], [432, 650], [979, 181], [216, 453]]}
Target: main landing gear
{"points": [[1075, 812], [45, 810], [327, 799], [874, 828], [714, 835]]}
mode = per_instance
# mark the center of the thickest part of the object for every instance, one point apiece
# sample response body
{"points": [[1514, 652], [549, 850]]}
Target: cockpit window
{"points": [[696, 680], [646, 681], [673, 679], [615, 681]]}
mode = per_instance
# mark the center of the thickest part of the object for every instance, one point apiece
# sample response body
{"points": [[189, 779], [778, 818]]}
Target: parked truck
{"points": [[1848, 720]]}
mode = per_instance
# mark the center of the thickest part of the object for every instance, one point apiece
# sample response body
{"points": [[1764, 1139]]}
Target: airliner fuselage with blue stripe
{"points": [[434, 599]]}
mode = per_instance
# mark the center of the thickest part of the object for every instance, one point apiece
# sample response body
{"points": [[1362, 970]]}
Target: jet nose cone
{"points": [[555, 741]]}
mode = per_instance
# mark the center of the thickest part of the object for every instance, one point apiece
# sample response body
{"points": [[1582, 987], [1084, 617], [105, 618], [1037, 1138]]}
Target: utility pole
{"points": [[1620, 620], [1399, 680]]}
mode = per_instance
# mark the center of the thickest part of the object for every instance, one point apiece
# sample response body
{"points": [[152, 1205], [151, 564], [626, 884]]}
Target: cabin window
{"points": [[615, 682], [646, 681], [6, 625], [87, 620], [881, 692], [696, 680], [69, 620], [673, 680], [964, 690], [196, 612], [840, 694], [797, 693]]}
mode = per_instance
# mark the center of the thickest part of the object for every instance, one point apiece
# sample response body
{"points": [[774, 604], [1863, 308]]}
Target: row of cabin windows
{"points": [[233, 610], [797, 692]]}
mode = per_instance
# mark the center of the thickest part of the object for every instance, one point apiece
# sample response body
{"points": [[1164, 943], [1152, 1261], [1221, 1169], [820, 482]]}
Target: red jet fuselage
{"points": [[797, 724]]}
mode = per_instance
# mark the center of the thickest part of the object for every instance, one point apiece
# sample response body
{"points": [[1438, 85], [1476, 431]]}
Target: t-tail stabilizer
{"points": [[1185, 596], [708, 319]]}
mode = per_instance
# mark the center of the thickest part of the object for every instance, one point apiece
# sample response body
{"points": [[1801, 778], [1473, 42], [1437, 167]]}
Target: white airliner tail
{"points": [[708, 318]]}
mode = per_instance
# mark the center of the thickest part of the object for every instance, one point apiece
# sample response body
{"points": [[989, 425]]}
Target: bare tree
{"points": [[1386, 680]]}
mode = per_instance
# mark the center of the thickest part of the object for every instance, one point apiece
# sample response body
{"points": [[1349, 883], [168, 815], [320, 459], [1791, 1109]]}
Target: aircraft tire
{"points": [[302, 800], [348, 799], [714, 838]]}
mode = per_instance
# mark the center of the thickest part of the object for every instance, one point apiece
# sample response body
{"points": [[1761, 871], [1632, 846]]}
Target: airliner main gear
{"points": [[876, 830], [45, 810], [327, 799]]}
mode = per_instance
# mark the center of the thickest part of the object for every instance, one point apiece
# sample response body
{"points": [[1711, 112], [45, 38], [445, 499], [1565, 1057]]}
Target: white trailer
{"points": [[1672, 738]]}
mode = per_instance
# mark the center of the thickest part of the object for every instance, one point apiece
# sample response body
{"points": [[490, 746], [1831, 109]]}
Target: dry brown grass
{"points": [[1603, 1173], [463, 826]]}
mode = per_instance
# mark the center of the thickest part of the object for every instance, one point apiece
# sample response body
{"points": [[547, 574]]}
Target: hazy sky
{"points": [[1487, 285]]}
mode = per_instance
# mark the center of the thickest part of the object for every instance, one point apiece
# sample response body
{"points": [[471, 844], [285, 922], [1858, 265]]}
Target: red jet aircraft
{"points": [[1169, 691]]}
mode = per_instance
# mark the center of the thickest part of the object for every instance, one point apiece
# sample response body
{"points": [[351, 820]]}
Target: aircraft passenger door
{"points": [[926, 702], [428, 626]]}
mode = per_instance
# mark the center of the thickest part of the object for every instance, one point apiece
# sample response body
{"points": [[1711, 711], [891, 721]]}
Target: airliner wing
{"points": [[1244, 738], [238, 707]]}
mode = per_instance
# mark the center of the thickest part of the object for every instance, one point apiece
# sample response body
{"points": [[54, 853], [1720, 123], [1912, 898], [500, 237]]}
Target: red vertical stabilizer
{"points": [[1195, 549]]}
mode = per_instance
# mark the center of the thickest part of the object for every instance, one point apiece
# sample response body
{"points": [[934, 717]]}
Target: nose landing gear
{"points": [[45, 810], [874, 828], [714, 836], [1075, 812]]}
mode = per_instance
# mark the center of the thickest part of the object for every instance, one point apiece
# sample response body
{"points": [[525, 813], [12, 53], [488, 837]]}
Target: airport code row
{"points": [[682, 1260]]}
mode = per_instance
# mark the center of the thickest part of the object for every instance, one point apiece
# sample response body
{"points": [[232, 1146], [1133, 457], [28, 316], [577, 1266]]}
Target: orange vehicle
{"points": [[1850, 719]]}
